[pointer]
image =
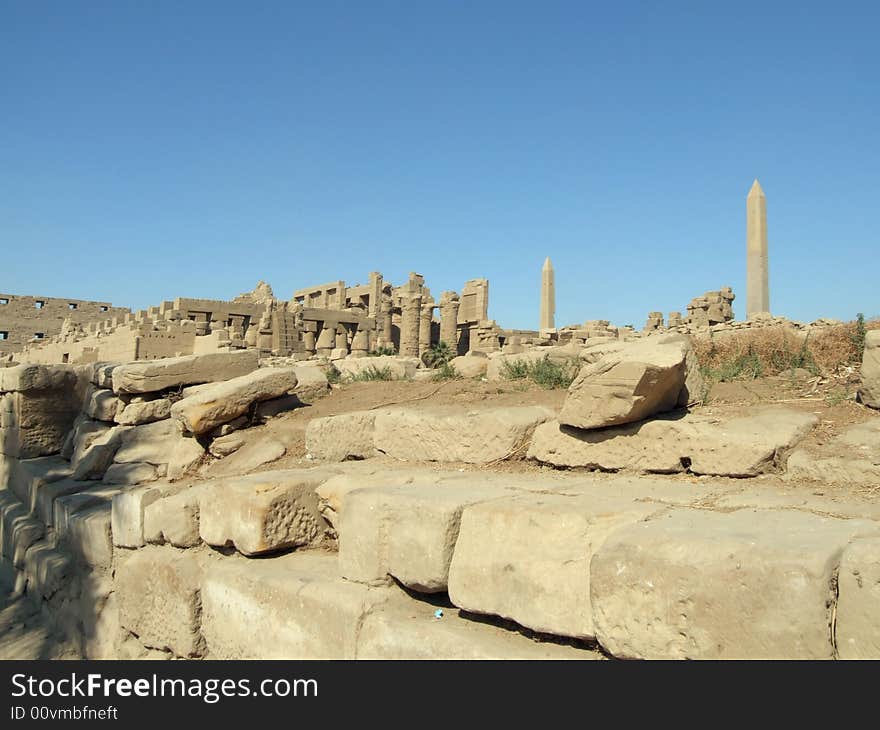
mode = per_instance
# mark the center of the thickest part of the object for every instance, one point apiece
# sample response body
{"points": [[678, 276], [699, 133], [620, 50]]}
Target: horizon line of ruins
{"points": [[334, 321]]}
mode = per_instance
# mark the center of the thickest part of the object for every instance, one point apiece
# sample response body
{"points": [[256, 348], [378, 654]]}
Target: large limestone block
{"points": [[739, 447], [869, 390], [170, 372], [337, 438], [96, 458], [291, 607], [64, 507], [311, 383], [626, 385], [18, 529], [44, 500], [398, 368], [751, 584], [83, 433], [174, 519], [408, 532], [226, 401], [403, 628], [160, 601], [135, 414], [150, 442], [36, 422], [101, 405], [25, 378], [89, 536], [470, 367], [527, 557], [29, 476], [853, 457], [456, 433], [263, 512], [249, 458], [858, 603]]}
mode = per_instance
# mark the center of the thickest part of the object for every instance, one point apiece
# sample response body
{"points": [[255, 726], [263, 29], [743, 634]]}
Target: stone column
{"points": [[385, 335], [326, 341], [409, 326], [757, 276], [427, 315], [449, 304], [548, 296]]}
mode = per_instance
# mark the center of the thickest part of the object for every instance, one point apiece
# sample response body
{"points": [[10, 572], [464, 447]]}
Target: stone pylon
{"points": [[757, 279], [548, 296]]}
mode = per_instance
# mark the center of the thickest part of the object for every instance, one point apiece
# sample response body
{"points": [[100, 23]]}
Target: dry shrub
{"points": [[774, 350]]}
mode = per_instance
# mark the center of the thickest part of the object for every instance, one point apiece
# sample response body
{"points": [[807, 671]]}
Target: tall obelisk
{"points": [[757, 280], [548, 296]]}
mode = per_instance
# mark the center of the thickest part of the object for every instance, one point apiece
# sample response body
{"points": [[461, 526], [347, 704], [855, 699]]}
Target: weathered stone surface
{"points": [[101, 405], [44, 499], [311, 383], [132, 473], [527, 557], [408, 531], [185, 455], [154, 375], [36, 422], [264, 512], [403, 628], [627, 385], [740, 447], [226, 445], [151, 443], [83, 433], [249, 458], [346, 436], [174, 518], [853, 457], [64, 507], [398, 368], [25, 378], [29, 476], [470, 367], [291, 607], [18, 529], [135, 414], [696, 584], [127, 513], [101, 374], [159, 599], [271, 408], [46, 569], [225, 401], [87, 535], [456, 433], [858, 603], [869, 389], [96, 458]]}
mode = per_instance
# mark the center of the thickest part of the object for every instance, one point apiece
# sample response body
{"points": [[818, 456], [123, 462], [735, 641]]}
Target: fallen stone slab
{"points": [[853, 457], [135, 414], [627, 385], [249, 458], [342, 437], [174, 518], [186, 455], [226, 445], [751, 584], [26, 378], [869, 389], [263, 512], [397, 368], [96, 458], [404, 628], [858, 603], [160, 599], [408, 532], [291, 607], [311, 383], [739, 447], [150, 442], [470, 367], [226, 401], [527, 557], [171, 372], [101, 405], [136, 472], [456, 433], [83, 433]]}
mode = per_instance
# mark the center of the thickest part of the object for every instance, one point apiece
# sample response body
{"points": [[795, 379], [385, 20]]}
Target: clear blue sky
{"points": [[161, 149]]}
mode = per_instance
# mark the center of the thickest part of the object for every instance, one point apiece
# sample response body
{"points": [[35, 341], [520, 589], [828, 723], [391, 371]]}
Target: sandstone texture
{"points": [[171, 372]]}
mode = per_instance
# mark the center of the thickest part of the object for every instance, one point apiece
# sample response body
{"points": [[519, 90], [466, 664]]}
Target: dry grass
{"points": [[775, 350]]}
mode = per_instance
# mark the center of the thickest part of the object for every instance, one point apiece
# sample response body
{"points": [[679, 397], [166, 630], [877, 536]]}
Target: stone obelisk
{"points": [[757, 280], [548, 296]]}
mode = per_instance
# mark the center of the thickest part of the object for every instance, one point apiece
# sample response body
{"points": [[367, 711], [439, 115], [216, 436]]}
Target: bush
{"points": [[445, 372], [373, 373], [333, 375], [380, 351], [547, 373], [439, 355]]}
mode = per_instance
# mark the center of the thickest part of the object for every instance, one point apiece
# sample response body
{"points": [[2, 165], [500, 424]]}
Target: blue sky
{"points": [[153, 150]]}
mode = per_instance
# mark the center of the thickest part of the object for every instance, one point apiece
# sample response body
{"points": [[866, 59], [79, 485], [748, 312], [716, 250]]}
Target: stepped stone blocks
{"points": [[292, 607], [170, 372], [527, 557], [18, 529], [408, 532], [137, 413], [453, 433], [264, 512], [174, 519], [87, 533], [223, 402], [128, 509], [160, 599], [697, 584], [739, 447], [858, 603]]}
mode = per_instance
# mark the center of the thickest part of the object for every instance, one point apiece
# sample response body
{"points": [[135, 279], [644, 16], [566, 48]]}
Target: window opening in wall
{"points": [[39, 335], [4, 300], [72, 305], [104, 307], [4, 335], [39, 304]]}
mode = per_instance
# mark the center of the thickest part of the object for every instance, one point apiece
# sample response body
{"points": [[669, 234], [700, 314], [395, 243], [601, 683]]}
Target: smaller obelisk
{"points": [[757, 278], [548, 296]]}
